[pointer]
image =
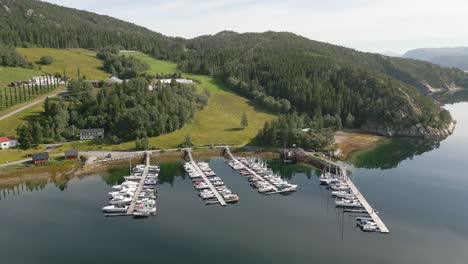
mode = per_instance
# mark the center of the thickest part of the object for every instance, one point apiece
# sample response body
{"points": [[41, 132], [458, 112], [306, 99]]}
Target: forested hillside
{"points": [[282, 72], [31, 23], [285, 72]]}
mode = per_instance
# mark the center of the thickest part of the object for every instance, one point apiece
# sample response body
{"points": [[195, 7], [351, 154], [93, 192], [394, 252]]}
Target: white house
{"points": [[8, 142]]}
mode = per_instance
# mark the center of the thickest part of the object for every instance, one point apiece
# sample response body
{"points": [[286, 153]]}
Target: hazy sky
{"points": [[368, 25]]}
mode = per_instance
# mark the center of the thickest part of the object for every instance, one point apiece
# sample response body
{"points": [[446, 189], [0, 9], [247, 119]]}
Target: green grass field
{"points": [[11, 74], [69, 59], [218, 123]]}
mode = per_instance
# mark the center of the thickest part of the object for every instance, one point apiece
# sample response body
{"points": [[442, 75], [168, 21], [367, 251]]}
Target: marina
{"points": [[136, 195], [348, 197], [211, 188], [259, 175], [259, 227]]}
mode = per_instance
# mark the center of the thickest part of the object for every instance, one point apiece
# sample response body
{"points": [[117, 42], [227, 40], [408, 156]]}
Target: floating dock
{"points": [[218, 196], [228, 151], [372, 213], [132, 205]]}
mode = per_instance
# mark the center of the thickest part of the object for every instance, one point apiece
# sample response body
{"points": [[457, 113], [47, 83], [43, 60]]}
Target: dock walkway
{"points": [[131, 208], [375, 217], [228, 151], [219, 197]]}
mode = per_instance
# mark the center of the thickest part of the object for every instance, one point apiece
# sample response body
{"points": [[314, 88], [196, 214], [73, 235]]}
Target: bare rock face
{"points": [[417, 130]]}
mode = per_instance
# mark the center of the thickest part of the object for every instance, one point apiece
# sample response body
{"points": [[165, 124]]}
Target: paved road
{"points": [[38, 101]]}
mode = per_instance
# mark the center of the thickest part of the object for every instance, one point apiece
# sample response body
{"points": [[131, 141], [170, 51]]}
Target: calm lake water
{"points": [[421, 191]]}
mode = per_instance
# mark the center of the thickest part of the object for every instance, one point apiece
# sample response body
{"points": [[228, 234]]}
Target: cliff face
{"points": [[417, 130]]}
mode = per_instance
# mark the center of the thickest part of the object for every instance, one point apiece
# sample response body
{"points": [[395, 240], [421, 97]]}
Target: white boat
{"points": [[132, 178], [339, 187], [369, 228], [348, 203], [150, 182], [120, 200], [115, 209]]}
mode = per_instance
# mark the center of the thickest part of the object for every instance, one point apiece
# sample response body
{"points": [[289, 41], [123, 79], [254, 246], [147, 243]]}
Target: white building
{"points": [[43, 80], [8, 142], [183, 81]]}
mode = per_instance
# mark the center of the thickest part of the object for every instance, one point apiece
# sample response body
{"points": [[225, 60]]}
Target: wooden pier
{"points": [[372, 213], [131, 208], [228, 151], [219, 197]]}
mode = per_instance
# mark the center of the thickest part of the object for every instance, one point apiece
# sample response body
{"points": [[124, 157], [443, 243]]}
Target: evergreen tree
{"points": [[244, 121]]}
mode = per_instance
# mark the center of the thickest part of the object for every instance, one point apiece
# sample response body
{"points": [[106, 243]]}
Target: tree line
{"points": [[125, 67], [126, 112], [10, 58], [300, 130]]}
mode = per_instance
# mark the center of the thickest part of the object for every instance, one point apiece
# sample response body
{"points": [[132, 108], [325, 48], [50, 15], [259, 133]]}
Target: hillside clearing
{"points": [[69, 60]]}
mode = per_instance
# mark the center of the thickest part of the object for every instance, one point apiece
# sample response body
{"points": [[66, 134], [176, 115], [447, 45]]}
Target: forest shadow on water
{"points": [[391, 153]]}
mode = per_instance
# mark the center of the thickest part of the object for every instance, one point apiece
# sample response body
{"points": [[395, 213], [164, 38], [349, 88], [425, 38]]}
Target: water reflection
{"points": [[287, 171], [390, 154], [451, 97]]}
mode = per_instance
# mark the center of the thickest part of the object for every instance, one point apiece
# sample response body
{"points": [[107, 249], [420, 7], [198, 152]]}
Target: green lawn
{"points": [[11, 74], [69, 59]]}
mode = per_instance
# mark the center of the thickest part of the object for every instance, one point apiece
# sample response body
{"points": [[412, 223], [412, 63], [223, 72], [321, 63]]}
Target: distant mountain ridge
{"points": [[448, 57]]}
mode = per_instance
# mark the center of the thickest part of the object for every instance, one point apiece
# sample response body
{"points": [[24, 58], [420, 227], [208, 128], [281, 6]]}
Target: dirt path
{"points": [[38, 101]]}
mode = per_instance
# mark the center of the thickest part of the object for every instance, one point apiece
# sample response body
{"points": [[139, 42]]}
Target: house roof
{"points": [[6, 139], [72, 152], [114, 79], [91, 130], [40, 156]]}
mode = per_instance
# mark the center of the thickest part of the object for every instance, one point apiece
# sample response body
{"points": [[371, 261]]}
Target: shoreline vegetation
{"points": [[350, 142]]}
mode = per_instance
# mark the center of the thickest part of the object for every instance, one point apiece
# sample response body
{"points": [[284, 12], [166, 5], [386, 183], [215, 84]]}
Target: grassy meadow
{"points": [[217, 123], [68, 59]]}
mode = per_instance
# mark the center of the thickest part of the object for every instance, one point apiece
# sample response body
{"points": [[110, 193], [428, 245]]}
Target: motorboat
{"points": [[115, 209], [344, 194], [348, 203], [231, 198], [150, 182], [369, 228], [120, 200], [339, 187], [132, 178]]}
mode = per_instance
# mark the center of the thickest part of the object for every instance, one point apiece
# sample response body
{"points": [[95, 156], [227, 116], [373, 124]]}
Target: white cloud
{"points": [[367, 25]]}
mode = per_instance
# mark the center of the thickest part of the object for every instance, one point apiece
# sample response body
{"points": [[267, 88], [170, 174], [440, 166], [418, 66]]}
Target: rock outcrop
{"points": [[417, 130]]}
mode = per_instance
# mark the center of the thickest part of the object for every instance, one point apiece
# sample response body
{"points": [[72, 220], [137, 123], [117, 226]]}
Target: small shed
{"points": [[71, 154], [39, 158]]}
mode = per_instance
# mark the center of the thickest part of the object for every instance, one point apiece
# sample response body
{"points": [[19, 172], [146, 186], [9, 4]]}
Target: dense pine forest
{"points": [[280, 70], [126, 112], [31, 23]]}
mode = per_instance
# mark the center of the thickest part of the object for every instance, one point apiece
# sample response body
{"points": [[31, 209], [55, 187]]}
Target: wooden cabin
{"points": [[71, 154], [40, 158]]}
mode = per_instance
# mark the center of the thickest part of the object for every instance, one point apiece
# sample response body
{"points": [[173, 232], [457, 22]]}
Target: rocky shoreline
{"points": [[417, 130]]}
